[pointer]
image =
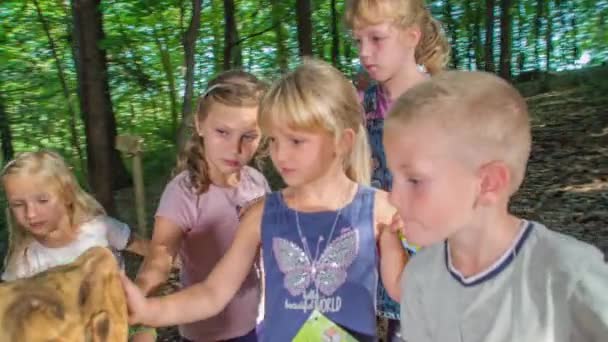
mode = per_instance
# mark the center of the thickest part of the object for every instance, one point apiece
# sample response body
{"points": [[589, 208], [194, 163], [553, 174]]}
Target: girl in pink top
{"points": [[199, 210]]}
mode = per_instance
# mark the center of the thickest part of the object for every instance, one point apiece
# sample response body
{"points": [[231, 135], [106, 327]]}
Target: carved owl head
{"points": [[81, 301]]}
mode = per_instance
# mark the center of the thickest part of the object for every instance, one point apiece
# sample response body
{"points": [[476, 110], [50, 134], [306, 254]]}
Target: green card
{"points": [[320, 328]]}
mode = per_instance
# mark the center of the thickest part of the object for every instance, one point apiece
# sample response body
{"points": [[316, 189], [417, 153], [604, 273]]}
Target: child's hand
{"points": [[395, 226], [390, 233], [137, 304], [143, 335], [393, 256]]}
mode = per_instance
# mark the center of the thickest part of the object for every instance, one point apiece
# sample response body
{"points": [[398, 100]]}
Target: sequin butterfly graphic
{"points": [[328, 272]]}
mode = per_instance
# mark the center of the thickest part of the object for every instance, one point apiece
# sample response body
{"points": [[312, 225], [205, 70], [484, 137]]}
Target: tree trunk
{"points": [[568, 27], [319, 43], [74, 136], [566, 43], [469, 17], [165, 58], [548, 34], [574, 36], [505, 39], [106, 170], [217, 37], [182, 10], [5, 133], [477, 34], [489, 48], [280, 34], [518, 49], [538, 21], [335, 36], [189, 43], [453, 33], [232, 52], [304, 24]]}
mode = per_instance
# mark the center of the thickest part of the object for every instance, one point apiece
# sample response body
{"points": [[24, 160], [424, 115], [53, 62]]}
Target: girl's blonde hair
{"points": [[235, 88], [316, 96], [433, 50], [52, 168]]}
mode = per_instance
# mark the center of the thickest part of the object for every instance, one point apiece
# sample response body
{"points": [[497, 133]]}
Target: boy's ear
{"points": [[495, 182]]}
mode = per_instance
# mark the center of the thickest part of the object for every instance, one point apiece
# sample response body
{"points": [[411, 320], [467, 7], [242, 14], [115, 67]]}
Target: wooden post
{"points": [[132, 146]]}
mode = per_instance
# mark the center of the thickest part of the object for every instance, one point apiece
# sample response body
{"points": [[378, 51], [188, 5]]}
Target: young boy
{"points": [[457, 147]]}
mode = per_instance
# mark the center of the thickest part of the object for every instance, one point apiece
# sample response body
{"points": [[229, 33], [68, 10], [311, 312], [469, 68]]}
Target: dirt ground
{"points": [[566, 186], [567, 180]]}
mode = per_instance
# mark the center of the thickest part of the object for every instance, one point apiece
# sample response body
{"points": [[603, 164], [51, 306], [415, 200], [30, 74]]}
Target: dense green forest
{"points": [[75, 73]]}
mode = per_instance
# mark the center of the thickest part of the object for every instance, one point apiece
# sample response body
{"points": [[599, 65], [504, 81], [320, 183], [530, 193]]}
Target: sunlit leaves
{"points": [[139, 87]]}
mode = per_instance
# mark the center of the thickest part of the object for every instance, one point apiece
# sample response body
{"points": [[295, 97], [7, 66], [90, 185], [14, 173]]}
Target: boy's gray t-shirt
{"points": [[547, 287]]}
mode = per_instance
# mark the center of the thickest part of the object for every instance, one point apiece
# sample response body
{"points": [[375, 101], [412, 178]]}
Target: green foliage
{"points": [[139, 34]]}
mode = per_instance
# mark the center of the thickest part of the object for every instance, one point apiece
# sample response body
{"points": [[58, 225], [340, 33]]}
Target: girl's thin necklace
{"points": [[305, 241], [313, 262]]}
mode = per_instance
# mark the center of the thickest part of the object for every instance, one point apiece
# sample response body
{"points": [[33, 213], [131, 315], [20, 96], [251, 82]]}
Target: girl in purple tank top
{"points": [[198, 213], [319, 236]]}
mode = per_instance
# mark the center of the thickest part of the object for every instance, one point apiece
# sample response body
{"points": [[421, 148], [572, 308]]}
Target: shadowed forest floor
{"points": [[566, 185]]}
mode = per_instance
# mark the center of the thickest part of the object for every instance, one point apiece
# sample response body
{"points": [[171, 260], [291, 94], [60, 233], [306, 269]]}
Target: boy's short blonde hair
{"points": [[483, 111]]}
